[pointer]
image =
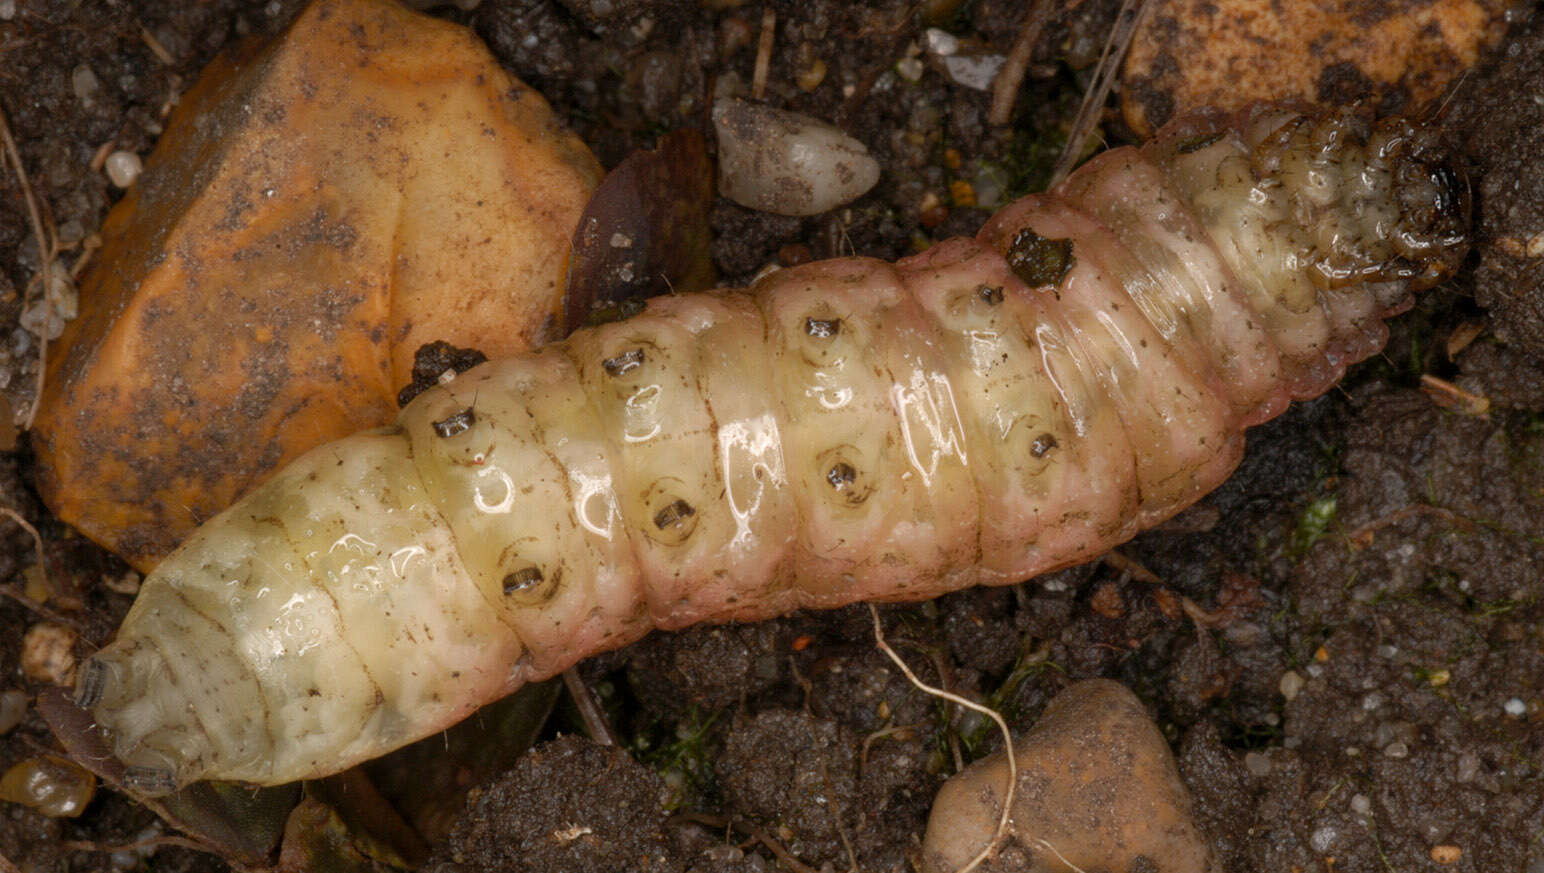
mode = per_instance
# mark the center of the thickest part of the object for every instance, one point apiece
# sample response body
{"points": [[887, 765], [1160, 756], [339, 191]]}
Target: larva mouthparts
{"points": [[991, 409]]}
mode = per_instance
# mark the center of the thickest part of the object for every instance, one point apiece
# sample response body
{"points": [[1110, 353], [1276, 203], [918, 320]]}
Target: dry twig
{"points": [[47, 248], [764, 53], [147, 843], [756, 832], [595, 722], [1005, 85], [37, 539]]}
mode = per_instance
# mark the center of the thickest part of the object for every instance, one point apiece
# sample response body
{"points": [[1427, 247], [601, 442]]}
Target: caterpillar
{"points": [[851, 429]]}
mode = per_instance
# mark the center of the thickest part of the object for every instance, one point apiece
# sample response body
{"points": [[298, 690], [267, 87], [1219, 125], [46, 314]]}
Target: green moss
{"points": [[684, 760], [1312, 523]]}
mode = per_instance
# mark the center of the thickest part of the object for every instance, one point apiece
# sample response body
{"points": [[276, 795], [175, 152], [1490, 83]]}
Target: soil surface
{"points": [[1344, 643]]}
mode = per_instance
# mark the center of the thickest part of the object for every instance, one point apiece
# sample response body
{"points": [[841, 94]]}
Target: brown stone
{"points": [[317, 209], [1097, 783]]}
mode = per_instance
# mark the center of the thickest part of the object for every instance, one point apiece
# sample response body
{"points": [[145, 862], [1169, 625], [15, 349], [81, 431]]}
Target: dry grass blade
{"points": [[147, 843], [37, 539], [595, 722], [764, 53], [755, 832], [1013, 764], [1046, 844], [1132, 14], [46, 259]]}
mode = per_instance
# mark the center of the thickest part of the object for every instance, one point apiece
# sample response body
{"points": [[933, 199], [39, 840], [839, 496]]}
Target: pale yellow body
{"points": [[851, 429]]}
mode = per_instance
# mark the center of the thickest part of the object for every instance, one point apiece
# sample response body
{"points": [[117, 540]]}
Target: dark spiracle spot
{"points": [[1039, 261], [456, 423], [620, 310], [522, 580], [149, 780], [822, 328], [849, 473], [624, 363], [673, 515], [90, 684], [1042, 445], [1197, 142], [989, 295], [841, 475]]}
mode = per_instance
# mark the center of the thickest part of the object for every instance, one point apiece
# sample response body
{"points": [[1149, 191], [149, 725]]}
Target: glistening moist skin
{"points": [[850, 429]]}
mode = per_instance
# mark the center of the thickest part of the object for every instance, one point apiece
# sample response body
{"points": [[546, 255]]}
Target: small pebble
{"points": [[961, 192], [123, 168], [1515, 707], [794, 254], [941, 42], [1446, 854], [1291, 685], [1361, 804], [84, 82], [1257, 764], [787, 163], [47, 654], [1396, 750], [1468, 767], [55, 787], [812, 76], [1094, 733], [975, 71], [1323, 838], [13, 708]]}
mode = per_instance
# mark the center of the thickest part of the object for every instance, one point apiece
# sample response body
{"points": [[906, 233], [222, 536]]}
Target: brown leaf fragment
{"points": [[317, 840], [645, 232], [1453, 398], [1463, 336], [318, 209]]}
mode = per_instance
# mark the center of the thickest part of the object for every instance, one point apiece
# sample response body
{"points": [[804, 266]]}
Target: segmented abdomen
{"points": [[991, 409]]}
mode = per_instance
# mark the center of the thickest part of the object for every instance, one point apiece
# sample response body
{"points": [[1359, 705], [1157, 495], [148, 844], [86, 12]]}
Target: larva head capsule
{"points": [[1381, 201], [1303, 201], [1434, 202]]}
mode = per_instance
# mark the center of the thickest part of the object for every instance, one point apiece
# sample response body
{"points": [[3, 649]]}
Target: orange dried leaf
{"points": [[1190, 54], [369, 182]]}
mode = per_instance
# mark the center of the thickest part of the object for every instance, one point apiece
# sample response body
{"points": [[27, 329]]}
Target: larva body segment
{"points": [[851, 429]]}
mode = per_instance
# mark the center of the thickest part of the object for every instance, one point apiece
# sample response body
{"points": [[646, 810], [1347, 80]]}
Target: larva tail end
{"points": [[159, 750]]}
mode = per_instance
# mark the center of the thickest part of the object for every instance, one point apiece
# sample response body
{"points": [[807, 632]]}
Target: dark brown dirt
{"points": [[574, 806], [1356, 682], [1505, 120]]}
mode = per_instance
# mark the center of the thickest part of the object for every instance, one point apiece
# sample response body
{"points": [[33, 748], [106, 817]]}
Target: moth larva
{"points": [[850, 429]]}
